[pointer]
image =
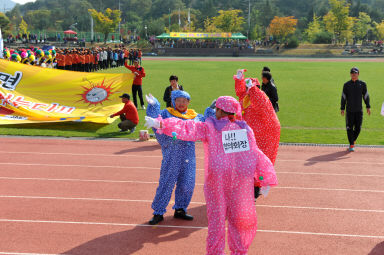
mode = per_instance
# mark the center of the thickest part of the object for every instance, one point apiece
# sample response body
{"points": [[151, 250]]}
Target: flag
{"points": [[32, 94]]}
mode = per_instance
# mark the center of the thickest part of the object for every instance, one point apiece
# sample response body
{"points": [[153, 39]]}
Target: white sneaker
{"points": [[143, 107]]}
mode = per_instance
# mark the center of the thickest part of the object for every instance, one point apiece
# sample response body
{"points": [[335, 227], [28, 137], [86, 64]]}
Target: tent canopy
{"points": [[71, 32], [178, 35]]}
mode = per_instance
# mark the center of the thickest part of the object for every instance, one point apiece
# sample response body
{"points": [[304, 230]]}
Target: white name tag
{"points": [[235, 141]]}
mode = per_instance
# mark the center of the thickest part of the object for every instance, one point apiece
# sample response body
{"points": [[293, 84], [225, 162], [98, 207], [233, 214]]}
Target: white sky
{"points": [[22, 1]]}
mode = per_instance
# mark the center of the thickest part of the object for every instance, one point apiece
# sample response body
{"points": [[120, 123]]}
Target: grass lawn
{"points": [[309, 95]]}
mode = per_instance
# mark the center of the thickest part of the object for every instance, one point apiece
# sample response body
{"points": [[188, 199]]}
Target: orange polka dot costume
{"points": [[258, 112]]}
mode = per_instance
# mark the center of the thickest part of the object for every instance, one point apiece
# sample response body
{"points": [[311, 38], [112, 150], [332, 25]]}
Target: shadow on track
{"points": [[378, 250], [334, 156], [142, 148], [131, 241]]}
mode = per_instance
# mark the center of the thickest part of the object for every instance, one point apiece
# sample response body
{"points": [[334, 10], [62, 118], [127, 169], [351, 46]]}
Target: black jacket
{"points": [[353, 94], [271, 91], [167, 95]]}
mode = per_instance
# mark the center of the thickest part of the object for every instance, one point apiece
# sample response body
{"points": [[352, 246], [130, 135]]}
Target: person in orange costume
{"points": [[259, 114]]}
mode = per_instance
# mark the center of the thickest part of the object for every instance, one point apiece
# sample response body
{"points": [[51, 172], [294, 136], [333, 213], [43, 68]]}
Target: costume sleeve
{"points": [[153, 111], [259, 99], [366, 96], [343, 98], [240, 88], [274, 96], [265, 174], [186, 130]]}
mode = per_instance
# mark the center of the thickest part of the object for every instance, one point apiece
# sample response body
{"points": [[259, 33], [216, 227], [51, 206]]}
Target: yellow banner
{"points": [[200, 35], [31, 94]]}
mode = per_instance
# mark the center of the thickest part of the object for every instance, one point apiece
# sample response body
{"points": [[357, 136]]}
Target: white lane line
{"points": [[332, 174], [195, 203], [185, 227], [328, 189], [159, 156], [23, 253]]}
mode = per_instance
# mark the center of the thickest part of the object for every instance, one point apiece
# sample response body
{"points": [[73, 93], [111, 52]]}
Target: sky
{"points": [[22, 1]]}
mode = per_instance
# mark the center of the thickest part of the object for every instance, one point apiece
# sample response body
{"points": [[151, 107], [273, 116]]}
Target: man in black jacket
{"points": [[270, 90], [354, 91]]}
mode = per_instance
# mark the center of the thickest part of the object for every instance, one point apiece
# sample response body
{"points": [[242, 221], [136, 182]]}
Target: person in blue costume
{"points": [[178, 166]]}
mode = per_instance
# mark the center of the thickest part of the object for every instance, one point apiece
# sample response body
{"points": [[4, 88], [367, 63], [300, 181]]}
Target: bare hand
{"points": [[369, 111], [111, 116], [342, 112]]}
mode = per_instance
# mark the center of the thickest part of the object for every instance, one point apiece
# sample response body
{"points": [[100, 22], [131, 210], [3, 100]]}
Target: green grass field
{"points": [[309, 95]]}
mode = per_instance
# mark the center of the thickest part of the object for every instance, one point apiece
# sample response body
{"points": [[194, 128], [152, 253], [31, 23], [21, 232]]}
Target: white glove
{"points": [[150, 99], [248, 83], [240, 74], [264, 190], [151, 122]]}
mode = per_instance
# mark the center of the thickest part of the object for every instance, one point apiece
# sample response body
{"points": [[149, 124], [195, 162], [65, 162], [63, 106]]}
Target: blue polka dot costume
{"points": [[178, 166]]}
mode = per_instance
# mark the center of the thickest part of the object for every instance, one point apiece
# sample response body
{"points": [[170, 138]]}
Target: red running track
{"points": [[60, 196]]}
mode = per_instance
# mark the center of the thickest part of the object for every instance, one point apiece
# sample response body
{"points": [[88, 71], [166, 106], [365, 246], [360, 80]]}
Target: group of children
{"points": [[240, 143]]}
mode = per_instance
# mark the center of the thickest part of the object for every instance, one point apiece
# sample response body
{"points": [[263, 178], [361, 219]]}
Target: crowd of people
{"points": [[74, 59]]}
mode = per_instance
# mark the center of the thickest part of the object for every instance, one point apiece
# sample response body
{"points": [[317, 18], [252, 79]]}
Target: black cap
{"points": [[355, 70], [125, 95]]}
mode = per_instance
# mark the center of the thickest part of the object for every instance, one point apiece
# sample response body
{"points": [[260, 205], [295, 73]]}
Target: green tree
{"points": [[38, 19], [314, 28], [229, 21], [106, 22], [337, 20], [23, 27], [5, 24], [361, 26]]}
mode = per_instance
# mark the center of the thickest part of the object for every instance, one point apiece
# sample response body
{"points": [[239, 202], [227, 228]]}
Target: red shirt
{"points": [[140, 70], [130, 112]]}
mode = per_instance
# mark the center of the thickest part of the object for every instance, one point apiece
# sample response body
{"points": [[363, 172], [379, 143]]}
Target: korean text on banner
{"points": [[31, 94]]}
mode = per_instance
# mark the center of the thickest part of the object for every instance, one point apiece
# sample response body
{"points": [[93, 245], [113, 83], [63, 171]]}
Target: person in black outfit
{"points": [[174, 85], [270, 90], [353, 92]]}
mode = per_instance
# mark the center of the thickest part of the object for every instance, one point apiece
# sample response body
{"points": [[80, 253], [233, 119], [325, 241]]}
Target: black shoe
{"points": [[180, 214], [156, 219]]}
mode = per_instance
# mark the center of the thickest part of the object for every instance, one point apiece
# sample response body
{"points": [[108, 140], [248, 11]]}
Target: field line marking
{"points": [[186, 227], [196, 203], [23, 253]]}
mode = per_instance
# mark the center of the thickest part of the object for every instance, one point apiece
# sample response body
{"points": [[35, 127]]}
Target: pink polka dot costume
{"points": [[232, 161], [258, 112]]}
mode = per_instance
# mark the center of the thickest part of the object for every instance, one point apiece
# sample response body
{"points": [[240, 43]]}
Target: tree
{"points": [[106, 22], [337, 20], [314, 28], [361, 26], [38, 19], [379, 30], [5, 24], [281, 27], [228, 21], [23, 27]]}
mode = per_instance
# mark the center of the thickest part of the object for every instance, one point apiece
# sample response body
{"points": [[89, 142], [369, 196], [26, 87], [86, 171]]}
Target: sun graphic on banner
{"points": [[97, 93]]}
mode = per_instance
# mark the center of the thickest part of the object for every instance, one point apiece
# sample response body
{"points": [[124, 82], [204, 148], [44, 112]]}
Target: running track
{"points": [[60, 196]]}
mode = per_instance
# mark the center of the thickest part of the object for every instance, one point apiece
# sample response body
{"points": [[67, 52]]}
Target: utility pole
{"points": [[169, 20], [119, 22]]}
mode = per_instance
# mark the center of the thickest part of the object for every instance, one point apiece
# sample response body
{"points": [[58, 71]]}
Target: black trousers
{"points": [[353, 121], [137, 89]]}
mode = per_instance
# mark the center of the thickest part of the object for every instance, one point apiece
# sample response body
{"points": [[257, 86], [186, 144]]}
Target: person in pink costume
{"points": [[232, 161], [259, 114]]}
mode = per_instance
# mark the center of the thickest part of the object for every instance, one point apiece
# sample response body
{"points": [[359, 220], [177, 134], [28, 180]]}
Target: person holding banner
{"points": [[128, 115], [233, 160], [139, 73]]}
